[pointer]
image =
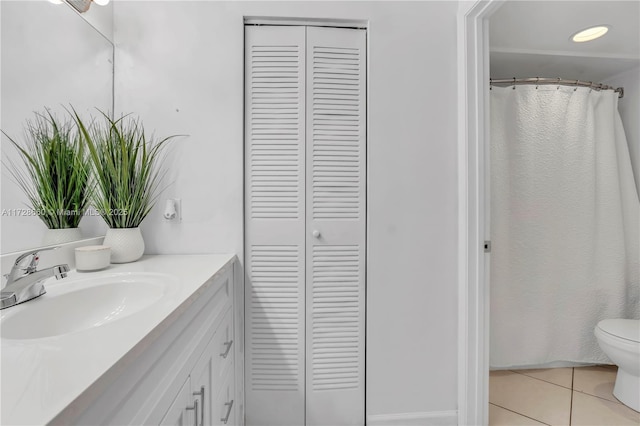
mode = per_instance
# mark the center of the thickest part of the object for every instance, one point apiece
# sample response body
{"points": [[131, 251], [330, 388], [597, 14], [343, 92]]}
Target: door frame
{"points": [[473, 210]]}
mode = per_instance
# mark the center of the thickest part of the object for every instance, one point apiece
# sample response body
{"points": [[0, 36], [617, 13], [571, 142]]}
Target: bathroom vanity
{"points": [[158, 341]]}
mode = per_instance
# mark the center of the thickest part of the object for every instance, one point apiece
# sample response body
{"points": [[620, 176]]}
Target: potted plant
{"points": [[54, 175], [127, 167]]}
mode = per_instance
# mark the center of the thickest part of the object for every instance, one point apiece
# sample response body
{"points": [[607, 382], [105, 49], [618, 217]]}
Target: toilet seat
{"points": [[621, 328]]}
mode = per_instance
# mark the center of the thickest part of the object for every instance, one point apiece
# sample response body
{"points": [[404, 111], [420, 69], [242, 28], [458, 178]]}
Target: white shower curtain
{"points": [[564, 224]]}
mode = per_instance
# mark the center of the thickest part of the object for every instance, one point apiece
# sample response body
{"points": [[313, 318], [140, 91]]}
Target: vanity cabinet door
{"points": [[178, 413], [223, 347], [208, 375], [225, 405], [202, 385]]}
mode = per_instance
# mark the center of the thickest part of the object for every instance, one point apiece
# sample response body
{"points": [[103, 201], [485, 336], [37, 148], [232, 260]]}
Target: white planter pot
{"points": [[126, 244], [53, 237]]}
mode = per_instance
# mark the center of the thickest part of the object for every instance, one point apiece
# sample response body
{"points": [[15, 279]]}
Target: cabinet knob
{"points": [[316, 233]]}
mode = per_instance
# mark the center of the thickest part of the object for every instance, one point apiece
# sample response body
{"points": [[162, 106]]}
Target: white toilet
{"points": [[620, 340]]}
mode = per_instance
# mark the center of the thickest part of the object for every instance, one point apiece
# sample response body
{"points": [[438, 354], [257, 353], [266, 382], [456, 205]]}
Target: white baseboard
{"points": [[431, 418]]}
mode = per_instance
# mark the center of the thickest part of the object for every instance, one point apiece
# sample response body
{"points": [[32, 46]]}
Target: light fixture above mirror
{"points": [[81, 5]]}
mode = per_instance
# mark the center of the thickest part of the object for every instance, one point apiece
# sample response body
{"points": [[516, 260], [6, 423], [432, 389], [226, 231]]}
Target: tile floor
{"points": [[557, 396]]}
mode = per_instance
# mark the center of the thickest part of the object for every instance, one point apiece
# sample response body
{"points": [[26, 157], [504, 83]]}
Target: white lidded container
{"points": [[92, 258]]}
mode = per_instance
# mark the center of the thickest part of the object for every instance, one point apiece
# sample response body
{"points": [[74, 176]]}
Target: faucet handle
{"points": [[31, 257]]}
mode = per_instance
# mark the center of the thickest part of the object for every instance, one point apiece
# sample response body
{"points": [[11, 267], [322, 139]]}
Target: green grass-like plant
{"points": [[55, 171], [127, 167]]}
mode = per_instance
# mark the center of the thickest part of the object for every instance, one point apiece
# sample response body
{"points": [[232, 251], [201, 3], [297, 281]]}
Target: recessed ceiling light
{"points": [[590, 33]]}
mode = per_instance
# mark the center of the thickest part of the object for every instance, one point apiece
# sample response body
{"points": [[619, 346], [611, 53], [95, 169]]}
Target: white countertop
{"points": [[41, 377]]}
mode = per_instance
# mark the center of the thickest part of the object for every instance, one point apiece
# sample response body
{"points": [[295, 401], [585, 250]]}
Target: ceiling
{"points": [[532, 39]]}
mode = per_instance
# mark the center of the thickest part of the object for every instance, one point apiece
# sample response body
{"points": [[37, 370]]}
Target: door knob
{"points": [[316, 233]]}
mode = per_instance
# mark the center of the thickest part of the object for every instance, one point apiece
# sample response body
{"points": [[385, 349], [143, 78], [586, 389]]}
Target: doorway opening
{"points": [[474, 193]]}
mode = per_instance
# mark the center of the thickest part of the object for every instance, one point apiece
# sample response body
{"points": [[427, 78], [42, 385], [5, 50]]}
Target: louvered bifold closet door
{"points": [[275, 224], [336, 227]]}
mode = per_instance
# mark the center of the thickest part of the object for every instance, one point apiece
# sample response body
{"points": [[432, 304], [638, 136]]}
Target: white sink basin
{"points": [[81, 303]]}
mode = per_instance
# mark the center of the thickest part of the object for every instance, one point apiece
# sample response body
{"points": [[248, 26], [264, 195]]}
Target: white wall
{"points": [[180, 67], [50, 57], [629, 107]]}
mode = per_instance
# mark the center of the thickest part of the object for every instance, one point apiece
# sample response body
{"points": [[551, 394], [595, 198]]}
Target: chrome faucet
{"points": [[24, 282]]}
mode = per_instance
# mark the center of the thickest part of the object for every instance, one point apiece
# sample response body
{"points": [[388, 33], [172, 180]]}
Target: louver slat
{"points": [[336, 326], [275, 131], [336, 123], [274, 317]]}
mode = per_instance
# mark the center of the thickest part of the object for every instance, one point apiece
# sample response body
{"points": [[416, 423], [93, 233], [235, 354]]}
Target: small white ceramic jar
{"points": [[92, 258]]}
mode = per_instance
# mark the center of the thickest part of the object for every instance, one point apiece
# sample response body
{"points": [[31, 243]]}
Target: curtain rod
{"points": [[559, 81]]}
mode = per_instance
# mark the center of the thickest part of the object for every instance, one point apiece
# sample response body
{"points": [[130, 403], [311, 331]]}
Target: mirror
{"points": [[53, 57]]}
